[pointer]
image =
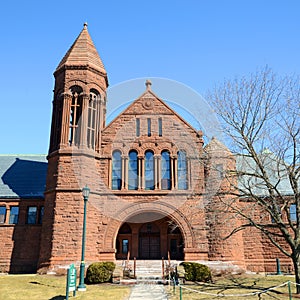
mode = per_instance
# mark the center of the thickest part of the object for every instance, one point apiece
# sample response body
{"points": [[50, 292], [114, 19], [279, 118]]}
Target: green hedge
{"points": [[100, 272], [196, 272]]}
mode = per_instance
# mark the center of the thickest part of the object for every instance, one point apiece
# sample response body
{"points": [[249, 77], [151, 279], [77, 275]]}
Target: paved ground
{"points": [[148, 292]]}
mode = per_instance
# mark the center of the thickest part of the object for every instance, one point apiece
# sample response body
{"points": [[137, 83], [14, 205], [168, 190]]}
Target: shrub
{"points": [[196, 272], [100, 272]]}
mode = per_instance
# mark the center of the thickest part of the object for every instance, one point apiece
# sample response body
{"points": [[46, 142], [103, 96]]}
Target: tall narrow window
{"points": [[125, 244], [293, 212], [149, 126], [31, 214], [159, 126], [2, 214], [14, 215], [41, 215], [133, 170], [149, 170], [137, 127], [75, 114], [182, 171], [165, 170], [116, 170], [91, 125]]}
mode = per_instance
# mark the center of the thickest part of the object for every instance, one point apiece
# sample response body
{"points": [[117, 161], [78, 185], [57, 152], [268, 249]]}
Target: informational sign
{"points": [[71, 281]]}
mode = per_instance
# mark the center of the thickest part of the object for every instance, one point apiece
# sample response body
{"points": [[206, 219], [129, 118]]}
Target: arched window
{"points": [[116, 177], [132, 170], [182, 171], [165, 170], [149, 170], [91, 124], [75, 115]]}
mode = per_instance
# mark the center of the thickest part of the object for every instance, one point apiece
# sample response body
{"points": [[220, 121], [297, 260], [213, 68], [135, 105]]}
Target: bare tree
{"points": [[260, 115]]}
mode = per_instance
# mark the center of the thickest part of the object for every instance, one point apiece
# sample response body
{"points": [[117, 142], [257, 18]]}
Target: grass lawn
{"points": [[46, 287], [237, 285]]}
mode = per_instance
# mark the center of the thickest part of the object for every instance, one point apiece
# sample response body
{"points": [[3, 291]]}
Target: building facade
{"points": [[153, 183]]}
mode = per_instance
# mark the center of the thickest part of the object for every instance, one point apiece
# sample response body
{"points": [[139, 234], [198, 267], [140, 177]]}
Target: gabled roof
{"points": [[83, 53], [23, 176], [276, 171], [215, 145], [151, 96]]}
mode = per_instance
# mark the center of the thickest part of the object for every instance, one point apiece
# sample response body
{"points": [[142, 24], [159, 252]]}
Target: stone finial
{"points": [[148, 84], [85, 25]]}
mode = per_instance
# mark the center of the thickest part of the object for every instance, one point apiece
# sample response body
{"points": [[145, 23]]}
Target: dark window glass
{"points": [[41, 214], [182, 171], [137, 125], [149, 126], [2, 214], [149, 170], [125, 246], [173, 246], [165, 170], [160, 127], [14, 215], [116, 170], [133, 170], [31, 214]]}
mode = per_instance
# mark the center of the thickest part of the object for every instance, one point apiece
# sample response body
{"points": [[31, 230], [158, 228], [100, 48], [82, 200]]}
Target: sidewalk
{"points": [[148, 292]]}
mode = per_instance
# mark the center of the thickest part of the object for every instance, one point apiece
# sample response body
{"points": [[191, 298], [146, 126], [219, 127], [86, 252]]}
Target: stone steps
{"points": [[147, 272]]}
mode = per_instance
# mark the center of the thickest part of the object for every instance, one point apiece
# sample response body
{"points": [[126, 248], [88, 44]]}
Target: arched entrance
{"points": [[149, 240]]}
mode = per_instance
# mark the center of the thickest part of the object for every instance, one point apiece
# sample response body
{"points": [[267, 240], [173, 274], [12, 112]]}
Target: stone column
{"points": [[175, 178], [84, 120], [124, 173], [189, 174], [141, 173], [158, 172], [109, 172], [65, 118]]}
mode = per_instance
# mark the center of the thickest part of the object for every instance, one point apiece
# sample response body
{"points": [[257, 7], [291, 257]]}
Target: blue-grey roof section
{"points": [[22, 176], [276, 171]]}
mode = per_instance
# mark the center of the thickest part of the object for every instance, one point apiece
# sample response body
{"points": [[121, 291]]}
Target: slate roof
{"points": [[22, 176], [276, 171], [83, 53]]}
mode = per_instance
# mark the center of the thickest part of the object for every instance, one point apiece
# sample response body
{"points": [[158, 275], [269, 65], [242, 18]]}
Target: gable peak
{"points": [[148, 84]]}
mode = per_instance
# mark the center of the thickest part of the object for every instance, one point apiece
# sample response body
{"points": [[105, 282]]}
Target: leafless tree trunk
{"points": [[260, 115]]}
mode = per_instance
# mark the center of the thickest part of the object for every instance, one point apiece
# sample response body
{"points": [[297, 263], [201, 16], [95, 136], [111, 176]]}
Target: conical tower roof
{"points": [[83, 53]]}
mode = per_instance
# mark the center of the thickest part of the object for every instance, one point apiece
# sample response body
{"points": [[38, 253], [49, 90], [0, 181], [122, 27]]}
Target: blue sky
{"points": [[198, 43]]}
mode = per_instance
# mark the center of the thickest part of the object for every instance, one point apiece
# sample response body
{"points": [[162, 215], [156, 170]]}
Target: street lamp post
{"points": [[81, 286]]}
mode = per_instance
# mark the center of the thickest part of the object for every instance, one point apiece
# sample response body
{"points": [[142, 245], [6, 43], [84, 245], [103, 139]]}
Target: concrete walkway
{"points": [[148, 292]]}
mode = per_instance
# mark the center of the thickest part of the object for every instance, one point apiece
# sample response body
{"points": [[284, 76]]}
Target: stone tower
{"points": [[78, 117]]}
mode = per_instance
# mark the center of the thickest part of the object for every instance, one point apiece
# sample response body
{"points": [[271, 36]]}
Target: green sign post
{"points": [[71, 281]]}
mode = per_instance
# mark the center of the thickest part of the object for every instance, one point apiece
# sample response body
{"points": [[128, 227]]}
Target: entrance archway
{"points": [[149, 240]]}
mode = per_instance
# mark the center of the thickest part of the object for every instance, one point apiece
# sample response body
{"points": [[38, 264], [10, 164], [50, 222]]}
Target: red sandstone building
{"points": [[148, 171]]}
